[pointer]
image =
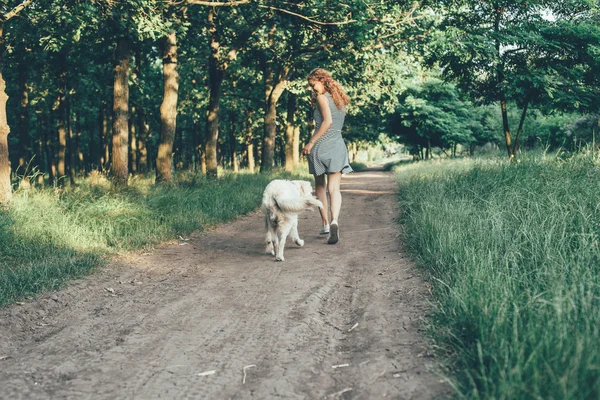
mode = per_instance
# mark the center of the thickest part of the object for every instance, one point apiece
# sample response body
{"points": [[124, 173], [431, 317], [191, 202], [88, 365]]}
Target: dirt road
{"points": [[332, 321]]}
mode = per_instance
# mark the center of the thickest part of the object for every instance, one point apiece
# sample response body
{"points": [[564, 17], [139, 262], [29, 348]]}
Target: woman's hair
{"points": [[340, 98]]}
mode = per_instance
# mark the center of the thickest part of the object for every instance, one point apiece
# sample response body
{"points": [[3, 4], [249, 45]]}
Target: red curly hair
{"points": [[340, 98]]}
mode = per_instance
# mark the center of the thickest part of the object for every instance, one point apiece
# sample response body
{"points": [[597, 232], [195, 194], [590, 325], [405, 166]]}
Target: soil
{"points": [[212, 317]]}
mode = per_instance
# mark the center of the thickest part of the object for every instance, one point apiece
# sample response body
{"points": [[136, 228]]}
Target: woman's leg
{"points": [[335, 196], [321, 191]]}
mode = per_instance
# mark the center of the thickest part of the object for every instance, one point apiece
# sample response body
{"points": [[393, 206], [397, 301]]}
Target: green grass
{"points": [[48, 237], [513, 254], [358, 166]]}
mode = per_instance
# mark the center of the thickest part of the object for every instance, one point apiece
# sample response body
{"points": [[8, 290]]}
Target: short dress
{"points": [[329, 154]]}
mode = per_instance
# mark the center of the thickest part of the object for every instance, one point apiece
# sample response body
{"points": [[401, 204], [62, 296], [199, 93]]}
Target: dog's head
{"points": [[304, 187]]}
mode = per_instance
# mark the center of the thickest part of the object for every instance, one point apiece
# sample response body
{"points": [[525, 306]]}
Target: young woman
{"points": [[326, 150]]}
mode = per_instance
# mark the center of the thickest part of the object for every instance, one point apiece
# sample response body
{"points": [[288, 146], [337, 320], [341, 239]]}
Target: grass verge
{"points": [[513, 254], [48, 237]]}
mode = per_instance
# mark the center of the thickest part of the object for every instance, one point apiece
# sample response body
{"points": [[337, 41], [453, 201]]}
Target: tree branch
{"points": [[509, 51], [15, 11], [217, 3], [233, 3], [350, 21]]}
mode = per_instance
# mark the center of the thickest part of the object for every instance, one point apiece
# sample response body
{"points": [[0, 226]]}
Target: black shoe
{"points": [[334, 234]]}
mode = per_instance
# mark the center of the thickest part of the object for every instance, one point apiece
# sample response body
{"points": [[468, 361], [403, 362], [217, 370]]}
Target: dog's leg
{"points": [[294, 233], [283, 230], [269, 238]]}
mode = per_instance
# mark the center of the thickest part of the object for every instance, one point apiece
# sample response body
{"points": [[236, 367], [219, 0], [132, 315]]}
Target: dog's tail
{"points": [[298, 205]]}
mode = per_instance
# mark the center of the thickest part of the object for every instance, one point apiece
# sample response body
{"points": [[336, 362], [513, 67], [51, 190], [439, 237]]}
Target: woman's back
{"points": [[329, 153], [337, 117]]}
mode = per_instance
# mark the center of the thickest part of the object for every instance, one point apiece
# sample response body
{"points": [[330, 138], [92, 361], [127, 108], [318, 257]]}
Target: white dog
{"points": [[282, 202]]}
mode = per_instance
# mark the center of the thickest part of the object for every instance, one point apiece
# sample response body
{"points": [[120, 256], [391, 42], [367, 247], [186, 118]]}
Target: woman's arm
{"points": [[323, 105]]}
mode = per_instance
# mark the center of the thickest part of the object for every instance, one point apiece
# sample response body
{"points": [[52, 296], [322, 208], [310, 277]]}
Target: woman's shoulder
{"points": [[323, 98], [329, 97]]}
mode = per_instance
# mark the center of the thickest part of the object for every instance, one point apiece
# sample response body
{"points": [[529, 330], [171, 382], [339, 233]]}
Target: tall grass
{"points": [[513, 254], [48, 237]]}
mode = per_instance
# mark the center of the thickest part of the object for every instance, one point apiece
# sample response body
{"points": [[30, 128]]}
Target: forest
{"points": [[126, 124], [148, 87]]}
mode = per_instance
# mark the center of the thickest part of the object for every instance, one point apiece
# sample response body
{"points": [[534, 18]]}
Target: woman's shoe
{"points": [[334, 233], [325, 230]]}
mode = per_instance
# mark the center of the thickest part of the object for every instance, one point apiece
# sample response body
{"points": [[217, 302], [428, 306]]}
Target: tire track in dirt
{"points": [[215, 302]]}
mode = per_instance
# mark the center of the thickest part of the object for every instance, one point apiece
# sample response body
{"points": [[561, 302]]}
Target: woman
{"points": [[326, 150]]}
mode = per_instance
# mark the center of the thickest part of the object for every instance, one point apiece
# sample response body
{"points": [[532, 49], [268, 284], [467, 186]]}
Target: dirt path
{"points": [[331, 322]]}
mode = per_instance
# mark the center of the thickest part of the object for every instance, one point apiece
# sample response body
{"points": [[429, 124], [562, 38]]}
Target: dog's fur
{"points": [[282, 201]]}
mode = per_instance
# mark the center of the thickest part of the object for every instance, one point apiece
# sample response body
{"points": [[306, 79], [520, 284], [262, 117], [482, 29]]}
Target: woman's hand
{"points": [[307, 148]]}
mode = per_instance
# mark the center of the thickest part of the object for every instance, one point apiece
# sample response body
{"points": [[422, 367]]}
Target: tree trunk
{"points": [[61, 119], [120, 134], [179, 155], [500, 77], [290, 145], [280, 151], [5, 187], [296, 145], [507, 134], [233, 143], [270, 133], [106, 139], [133, 148], [168, 110], [72, 148], [48, 149], [351, 153], [196, 145], [25, 153], [99, 147], [203, 167], [81, 167], [143, 142], [515, 147], [41, 151], [215, 78], [143, 127], [250, 140]]}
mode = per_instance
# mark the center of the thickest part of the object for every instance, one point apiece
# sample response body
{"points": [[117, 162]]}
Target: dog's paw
{"points": [[299, 242], [279, 258], [270, 249]]}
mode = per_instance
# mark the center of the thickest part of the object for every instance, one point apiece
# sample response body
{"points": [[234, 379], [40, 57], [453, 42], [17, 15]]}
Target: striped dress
{"points": [[329, 154]]}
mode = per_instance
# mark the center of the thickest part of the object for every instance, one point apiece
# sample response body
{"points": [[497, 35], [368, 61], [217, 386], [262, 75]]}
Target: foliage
{"points": [[537, 53], [512, 254], [50, 237], [433, 113]]}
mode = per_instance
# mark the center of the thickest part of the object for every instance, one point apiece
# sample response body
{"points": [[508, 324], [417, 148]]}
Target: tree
{"points": [[5, 186], [433, 113], [226, 40], [120, 137], [168, 109], [502, 51]]}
